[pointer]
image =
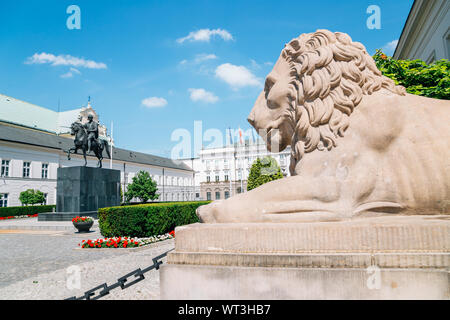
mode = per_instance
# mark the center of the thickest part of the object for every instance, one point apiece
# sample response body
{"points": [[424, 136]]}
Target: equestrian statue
{"points": [[86, 139]]}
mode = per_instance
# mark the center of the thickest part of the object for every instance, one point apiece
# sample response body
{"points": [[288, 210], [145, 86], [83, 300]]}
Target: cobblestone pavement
{"points": [[33, 265]]}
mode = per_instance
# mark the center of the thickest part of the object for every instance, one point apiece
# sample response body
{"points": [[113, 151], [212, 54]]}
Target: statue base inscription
{"points": [[82, 190], [398, 257]]}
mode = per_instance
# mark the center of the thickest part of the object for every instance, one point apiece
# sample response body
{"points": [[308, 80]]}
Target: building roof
{"points": [[44, 139], [424, 21], [23, 113], [27, 114]]}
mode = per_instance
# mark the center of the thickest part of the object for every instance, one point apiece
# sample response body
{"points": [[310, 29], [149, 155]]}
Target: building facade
{"points": [[223, 172], [31, 153], [426, 34]]}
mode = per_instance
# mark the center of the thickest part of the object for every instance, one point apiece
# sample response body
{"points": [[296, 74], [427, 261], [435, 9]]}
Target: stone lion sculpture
{"points": [[361, 146]]}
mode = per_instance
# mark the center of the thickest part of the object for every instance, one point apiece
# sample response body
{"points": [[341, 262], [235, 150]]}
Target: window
{"points": [[45, 198], [26, 169], [217, 195], [208, 196], [197, 195], [226, 177], [44, 170], [208, 179], [3, 199], [217, 178], [5, 168], [239, 190], [227, 194]]}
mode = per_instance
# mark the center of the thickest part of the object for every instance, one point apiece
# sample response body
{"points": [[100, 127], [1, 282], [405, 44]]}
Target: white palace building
{"points": [[223, 172], [33, 141]]}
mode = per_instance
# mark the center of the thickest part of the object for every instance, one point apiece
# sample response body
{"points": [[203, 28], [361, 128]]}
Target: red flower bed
{"points": [[82, 219], [19, 217], [119, 242], [124, 242]]}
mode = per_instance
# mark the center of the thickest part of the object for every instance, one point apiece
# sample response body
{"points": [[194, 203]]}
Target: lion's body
{"points": [[394, 158], [360, 145]]}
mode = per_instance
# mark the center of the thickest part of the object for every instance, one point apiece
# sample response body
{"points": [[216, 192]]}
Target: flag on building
{"points": [[231, 137]]}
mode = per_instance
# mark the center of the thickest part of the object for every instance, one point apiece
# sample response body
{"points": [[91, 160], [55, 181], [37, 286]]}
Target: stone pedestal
{"points": [[395, 257], [80, 191]]}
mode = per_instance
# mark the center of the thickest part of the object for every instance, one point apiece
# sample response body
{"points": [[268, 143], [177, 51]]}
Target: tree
{"points": [[416, 76], [262, 171], [142, 187], [31, 196]]}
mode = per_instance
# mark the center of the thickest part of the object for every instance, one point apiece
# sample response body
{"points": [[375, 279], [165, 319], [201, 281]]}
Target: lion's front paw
{"points": [[208, 213]]}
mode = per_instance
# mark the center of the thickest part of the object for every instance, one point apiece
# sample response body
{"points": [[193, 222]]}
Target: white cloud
{"points": [[202, 95], [67, 75], [204, 57], [70, 73], [237, 76], [205, 35], [199, 58], [64, 60], [389, 48], [154, 102], [268, 63], [74, 70], [254, 65]]}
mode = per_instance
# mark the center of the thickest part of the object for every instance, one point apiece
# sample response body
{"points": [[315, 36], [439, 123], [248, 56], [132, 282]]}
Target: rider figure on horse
{"points": [[92, 131]]}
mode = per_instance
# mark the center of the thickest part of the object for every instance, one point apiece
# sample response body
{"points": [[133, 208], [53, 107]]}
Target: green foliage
{"points": [[142, 187], [262, 171], [416, 76], [31, 196], [22, 211], [146, 220]]}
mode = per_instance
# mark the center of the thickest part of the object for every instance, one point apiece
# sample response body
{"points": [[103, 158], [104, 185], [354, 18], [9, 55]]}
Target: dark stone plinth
{"points": [[65, 216], [80, 191]]}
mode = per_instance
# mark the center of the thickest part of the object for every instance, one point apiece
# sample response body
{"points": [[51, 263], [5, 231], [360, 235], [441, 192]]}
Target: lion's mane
{"points": [[329, 74]]}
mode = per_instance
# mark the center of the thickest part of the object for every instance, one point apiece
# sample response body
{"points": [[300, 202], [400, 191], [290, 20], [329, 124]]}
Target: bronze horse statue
{"points": [[81, 142]]}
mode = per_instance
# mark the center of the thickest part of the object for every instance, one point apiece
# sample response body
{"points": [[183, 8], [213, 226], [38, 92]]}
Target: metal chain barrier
{"points": [[122, 282]]}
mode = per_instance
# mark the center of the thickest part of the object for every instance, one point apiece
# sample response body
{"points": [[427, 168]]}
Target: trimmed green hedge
{"points": [[25, 210], [146, 220]]}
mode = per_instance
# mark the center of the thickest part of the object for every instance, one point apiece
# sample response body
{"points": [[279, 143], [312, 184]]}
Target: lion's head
{"points": [[312, 90]]}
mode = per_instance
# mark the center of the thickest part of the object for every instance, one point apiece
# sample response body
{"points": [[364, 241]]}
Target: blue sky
{"points": [[155, 66]]}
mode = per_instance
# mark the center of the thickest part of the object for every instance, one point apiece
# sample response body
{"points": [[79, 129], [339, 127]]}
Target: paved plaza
{"points": [[35, 257]]}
